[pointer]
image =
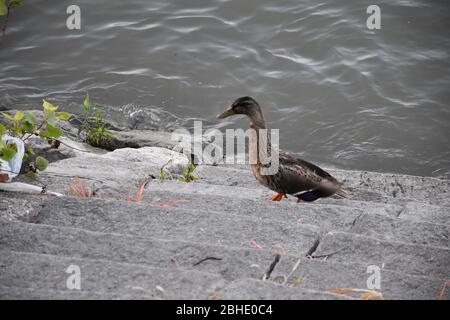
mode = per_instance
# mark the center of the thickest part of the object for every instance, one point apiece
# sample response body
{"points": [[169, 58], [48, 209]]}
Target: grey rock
{"points": [[409, 258], [176, 224], [248, 289], [42, 271]]}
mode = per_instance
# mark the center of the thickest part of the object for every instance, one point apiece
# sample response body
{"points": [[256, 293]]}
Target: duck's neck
{"points": [[259, 139]]}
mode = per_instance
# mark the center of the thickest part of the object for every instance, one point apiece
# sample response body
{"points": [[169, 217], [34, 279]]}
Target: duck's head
{"points": [[246, 106]]}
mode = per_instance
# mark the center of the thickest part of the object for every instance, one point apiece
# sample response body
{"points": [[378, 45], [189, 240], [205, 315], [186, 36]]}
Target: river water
{"points": [[341, 94]]}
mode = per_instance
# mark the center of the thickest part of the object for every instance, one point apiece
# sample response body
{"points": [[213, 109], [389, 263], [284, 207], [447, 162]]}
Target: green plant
{"points": [[5, 8], [162, 174], [24, 126], [187, 175], [94, 126]]}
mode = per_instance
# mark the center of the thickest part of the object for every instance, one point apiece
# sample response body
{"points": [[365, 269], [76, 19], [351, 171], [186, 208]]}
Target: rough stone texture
{"points": [[409, 258], [219, 236], [176, 224], [47, 271], [248, 289]]}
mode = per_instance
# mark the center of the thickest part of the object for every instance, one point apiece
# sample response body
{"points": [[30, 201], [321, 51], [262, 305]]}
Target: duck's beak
{"points": [[226, 114]]}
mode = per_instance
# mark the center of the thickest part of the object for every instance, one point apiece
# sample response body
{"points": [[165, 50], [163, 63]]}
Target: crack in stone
{"points": [[206, 259], [313, 248], [355, 220], [272, 266], [400, 211]]}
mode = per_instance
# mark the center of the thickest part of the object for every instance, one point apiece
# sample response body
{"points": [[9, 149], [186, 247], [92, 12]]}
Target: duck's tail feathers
{"points": [[343, 193]]}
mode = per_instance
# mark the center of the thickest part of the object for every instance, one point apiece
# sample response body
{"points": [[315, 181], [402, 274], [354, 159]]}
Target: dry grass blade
{"points": [[79, 189], [255, 245], [297, 282], [139, 193], [280, 250], [441, 294]]}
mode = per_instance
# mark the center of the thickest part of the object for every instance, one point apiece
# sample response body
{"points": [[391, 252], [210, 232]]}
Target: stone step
{"points": [[386, 225], [405, 209], [43, 271], [176, 224], [132, 166], [230, 263], [381, 224], [409, 258], [365, 185], [29, 275], [358, 275], [250, 289], [20, 293]]}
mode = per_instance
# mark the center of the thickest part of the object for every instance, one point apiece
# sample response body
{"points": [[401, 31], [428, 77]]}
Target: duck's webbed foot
{"points": [[278, 196]]}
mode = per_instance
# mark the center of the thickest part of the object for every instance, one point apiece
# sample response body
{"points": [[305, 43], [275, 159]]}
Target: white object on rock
{"points": [[12, 168], [26, 188]]}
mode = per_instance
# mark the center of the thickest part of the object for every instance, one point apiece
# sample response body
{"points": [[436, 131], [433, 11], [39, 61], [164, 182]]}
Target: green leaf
{"points": [[28, 127], [30, 118], [19, 116], [49, 116], [3, 8], [30, 150], [86, 102], [3, 129], [48, 106], [8, 152], [51, 132], [7, 116], [41, 163], [30, 176], [63, 116], [15, 4]]}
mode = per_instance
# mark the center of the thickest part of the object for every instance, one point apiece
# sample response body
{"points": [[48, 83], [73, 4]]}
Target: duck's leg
{"points": [[278, 196]]}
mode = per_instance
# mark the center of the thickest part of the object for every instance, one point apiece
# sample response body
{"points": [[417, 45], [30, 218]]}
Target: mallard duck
{"points": [[295, 176]]}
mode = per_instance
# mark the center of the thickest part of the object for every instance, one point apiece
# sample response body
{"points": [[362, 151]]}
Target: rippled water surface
{"points": [[340, 94]]}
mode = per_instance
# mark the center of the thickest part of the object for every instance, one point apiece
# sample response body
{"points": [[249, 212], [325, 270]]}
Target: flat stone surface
{"points": [[176, 224], [41, 271], [248, 289], [229, 262], [20, 293], [325, 275], [397, 256]]}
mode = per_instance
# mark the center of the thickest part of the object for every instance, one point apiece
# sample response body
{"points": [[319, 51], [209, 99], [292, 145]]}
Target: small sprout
{"points": [[162, 174], [187, 175], [94, 127]]}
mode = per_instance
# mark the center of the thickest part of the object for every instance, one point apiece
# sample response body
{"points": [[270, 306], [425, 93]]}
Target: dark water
{"points": [[340, 94]]}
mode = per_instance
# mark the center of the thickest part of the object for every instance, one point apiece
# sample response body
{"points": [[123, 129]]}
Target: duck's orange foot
{"points": [[278, 196]]}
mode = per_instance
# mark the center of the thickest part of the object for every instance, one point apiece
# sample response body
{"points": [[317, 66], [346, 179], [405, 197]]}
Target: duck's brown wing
{"points": [[303, 175]]}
